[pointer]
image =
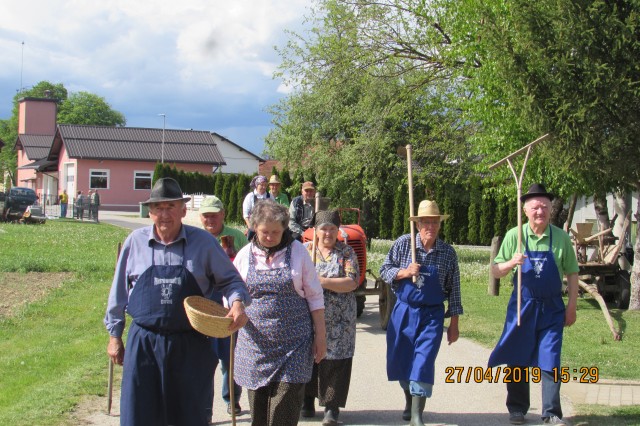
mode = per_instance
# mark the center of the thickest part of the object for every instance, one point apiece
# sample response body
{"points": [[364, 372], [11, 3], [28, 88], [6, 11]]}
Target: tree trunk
{"points": [[572, 209], [602, 211], [621, 206], [558, 213], [494, 283], [634, 303]]}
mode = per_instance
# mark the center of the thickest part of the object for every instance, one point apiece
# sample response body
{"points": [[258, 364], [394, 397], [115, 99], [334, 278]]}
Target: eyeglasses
{"points": [[429, 222]]}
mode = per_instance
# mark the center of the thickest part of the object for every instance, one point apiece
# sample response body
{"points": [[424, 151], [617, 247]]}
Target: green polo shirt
{"points": [[239, 239], [282, 199], [563, 251]]}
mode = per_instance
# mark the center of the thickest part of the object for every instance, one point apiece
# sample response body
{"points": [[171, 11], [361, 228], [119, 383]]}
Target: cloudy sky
{"points": [[206, 64]]}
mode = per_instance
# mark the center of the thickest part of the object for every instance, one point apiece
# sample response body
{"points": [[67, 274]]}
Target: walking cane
{"points": [[232, 388], [110, 377], [527, 150], [315, 242]]}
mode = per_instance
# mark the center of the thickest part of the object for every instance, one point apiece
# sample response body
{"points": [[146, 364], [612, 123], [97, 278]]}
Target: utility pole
{"points": [[164, 121]]}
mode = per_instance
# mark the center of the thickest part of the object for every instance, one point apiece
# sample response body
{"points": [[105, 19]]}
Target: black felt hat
{"points": [[166, 189], [537, 190]]}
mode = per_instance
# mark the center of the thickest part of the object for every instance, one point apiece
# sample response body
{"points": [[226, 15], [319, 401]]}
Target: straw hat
{"points": [[165, 189], [274, 180], [207, 316], [428, 208]]}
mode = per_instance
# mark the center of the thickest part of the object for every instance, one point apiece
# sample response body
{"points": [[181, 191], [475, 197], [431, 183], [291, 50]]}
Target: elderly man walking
{"points": [[415, 328], [168, 366], [212, 214], [537, 341]]}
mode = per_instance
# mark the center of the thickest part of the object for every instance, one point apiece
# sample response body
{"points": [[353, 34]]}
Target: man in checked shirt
{"points": [[416, 324]]}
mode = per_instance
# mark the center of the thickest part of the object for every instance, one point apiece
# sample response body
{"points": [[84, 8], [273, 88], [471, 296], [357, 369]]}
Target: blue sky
{"points": [[207, 65]]}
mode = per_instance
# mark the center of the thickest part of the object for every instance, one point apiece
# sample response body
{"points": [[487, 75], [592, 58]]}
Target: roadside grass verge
{"points": [[52, 351]]}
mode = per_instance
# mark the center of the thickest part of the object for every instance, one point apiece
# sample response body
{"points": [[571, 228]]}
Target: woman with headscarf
{"points": [[258, 192], [337, 266], [286, 330]]}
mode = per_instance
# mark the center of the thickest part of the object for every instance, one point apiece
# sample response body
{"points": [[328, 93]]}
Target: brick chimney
{"points": [[37, 116]]}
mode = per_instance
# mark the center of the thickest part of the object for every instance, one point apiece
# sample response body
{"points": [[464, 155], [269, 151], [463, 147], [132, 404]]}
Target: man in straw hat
{"points": [[301, 210], [212, 214], [416, 324], [537, 341], [274, 189], [168, 366]]}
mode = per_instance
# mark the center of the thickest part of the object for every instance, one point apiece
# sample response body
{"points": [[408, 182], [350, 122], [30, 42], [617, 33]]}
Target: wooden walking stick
{"points": [[232, 387], [314, 245], [110, 374], [527, 150]]}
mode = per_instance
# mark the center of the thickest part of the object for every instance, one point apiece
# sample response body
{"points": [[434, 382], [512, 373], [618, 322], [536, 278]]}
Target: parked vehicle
{"points": [[16, 202]]}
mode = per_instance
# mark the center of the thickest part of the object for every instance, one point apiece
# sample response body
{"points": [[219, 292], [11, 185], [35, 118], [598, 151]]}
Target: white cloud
{"points": [[198, 60]]}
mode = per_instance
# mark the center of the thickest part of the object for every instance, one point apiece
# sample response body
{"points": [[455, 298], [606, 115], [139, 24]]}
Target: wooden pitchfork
{"points": [[406, 153], [527, 150]]}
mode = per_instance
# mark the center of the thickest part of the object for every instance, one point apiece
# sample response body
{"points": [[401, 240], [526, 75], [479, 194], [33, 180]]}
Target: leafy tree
{"points": [[88, 108]]}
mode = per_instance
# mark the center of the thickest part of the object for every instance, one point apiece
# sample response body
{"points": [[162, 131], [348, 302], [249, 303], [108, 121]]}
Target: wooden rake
{"points": [[508, 159]]}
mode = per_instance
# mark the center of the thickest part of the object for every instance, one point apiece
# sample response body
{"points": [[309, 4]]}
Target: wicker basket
{"points": [[207, 316]]}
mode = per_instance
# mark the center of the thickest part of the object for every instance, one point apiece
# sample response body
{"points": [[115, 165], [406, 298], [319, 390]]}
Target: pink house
{"points": [[117, 161]]}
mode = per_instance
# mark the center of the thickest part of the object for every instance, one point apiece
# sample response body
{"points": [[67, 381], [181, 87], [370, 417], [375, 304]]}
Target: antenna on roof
{"points": [[21, 66]]}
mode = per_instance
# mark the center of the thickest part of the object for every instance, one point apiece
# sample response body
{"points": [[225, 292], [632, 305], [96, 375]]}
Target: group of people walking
{"points": [[294, 308]]}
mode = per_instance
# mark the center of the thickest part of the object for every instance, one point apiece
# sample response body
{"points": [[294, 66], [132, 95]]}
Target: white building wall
{"points": [[238, 160], [586, 213]]}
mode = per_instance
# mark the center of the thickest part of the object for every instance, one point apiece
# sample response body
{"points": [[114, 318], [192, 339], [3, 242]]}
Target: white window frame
{"points": [[135, 176], [106, 174]]}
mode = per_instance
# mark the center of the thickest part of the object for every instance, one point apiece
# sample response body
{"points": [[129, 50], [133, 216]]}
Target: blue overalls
{"points": [[414, 332], [537, 342], [168, 366]]}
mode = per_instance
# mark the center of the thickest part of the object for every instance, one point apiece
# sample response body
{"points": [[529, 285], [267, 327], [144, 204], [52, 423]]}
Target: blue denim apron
{"points": [[275, 345], [414, 332], [168, 366], [537, 342]]}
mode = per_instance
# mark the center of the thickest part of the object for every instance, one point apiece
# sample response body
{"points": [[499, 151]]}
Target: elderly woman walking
{"points": [[286, 330], [337, 266]]}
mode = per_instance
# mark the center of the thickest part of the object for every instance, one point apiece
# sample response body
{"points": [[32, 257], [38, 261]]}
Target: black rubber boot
{"points": [[417, 408], [308, 407], [406, 414], [330, 416]]}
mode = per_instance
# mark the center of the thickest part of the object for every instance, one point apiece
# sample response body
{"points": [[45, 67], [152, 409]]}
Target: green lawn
{"points": [[52, 352]]}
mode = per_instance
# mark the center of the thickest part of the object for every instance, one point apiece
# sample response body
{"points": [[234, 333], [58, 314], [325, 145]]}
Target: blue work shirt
{"points": [[201, 254]]}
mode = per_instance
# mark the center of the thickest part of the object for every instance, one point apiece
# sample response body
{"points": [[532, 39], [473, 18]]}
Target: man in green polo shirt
{"points": [[212, 215], [546, 256]]}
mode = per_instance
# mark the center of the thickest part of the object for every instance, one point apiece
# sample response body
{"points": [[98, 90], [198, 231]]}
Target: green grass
{"points": [[53, 351]]}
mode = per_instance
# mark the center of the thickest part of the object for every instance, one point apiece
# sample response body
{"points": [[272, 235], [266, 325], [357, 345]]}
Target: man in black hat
{"points": [[168, 366], [548, 256]]}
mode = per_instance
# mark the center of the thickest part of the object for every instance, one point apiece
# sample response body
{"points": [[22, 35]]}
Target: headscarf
{"points": [[257, 180], [326, 217], [286, 240]]}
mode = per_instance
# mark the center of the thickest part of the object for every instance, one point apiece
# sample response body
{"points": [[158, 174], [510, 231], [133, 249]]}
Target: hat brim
{"points": [[441, 216], [164, 200], [547, 195], [204, 210]]}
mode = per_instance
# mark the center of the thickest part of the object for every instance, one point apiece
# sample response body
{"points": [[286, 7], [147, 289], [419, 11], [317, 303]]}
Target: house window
{"points": [[99, 179], [142, 180]]}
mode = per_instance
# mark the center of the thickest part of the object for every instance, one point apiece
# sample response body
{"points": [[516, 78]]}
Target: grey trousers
{"points": [[277, 404]]}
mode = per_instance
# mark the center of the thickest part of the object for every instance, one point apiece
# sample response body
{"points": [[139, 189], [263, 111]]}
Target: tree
{"points": [[90, 109], [77, 108]]}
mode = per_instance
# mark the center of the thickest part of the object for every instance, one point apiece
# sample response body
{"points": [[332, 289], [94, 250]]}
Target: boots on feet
{"points": [[417, 408], [330, 416], [308, 407], [406, 414]]}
